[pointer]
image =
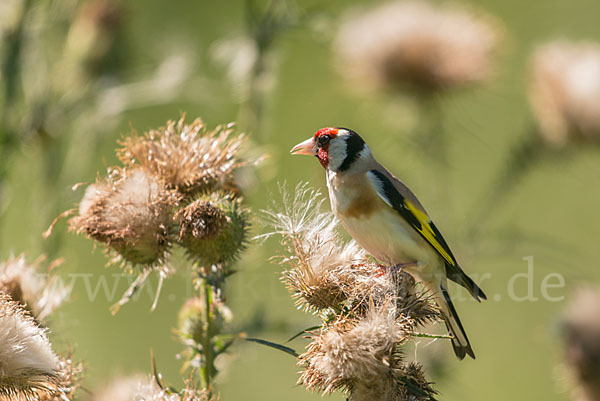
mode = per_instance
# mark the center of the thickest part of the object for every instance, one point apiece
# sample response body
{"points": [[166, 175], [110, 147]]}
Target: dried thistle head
{"points": [[412, 302], [317, 257], [68, 381], [581, 327], [26, 284], [363, 357], [120, 389], [213, 229], [565, 91], [135, 388], [417, 44], [131, 212], [189, 158], [325, 272], [408, 383], [368, 315], [191, 393], [328, 273], [27, 362]]}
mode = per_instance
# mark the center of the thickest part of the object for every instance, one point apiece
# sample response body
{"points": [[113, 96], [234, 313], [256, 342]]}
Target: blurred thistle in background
{"points": [[423, 50], [565, 92], [581, 333], [417, 45], [90, 39], [564, 95]]}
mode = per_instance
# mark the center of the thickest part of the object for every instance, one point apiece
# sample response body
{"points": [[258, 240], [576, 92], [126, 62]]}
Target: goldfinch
{"points": [[388, 221]]}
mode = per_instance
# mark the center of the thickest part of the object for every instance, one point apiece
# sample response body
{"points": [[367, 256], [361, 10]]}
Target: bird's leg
{"points": [[401, 266], [395, 268]]}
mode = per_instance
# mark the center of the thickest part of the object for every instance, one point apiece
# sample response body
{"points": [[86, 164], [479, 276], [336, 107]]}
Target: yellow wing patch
{"points": [[427, 232]]}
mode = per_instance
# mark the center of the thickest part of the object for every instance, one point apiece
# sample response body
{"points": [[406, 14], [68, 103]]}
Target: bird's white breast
{"points": [[378, 228]]}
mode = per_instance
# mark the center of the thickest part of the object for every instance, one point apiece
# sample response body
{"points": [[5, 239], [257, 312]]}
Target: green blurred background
{"points": [[550, 215]]}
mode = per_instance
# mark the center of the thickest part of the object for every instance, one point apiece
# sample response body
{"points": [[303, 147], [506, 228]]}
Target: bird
{"points": [[384, 216]]}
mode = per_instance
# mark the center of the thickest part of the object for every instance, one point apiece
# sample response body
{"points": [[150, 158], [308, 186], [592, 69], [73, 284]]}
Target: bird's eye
{"points": [[323, 140]]}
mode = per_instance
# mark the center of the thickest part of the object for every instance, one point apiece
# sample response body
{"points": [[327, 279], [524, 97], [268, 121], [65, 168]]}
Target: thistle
{"points": [[367, 316], [364, 358], [148, 389], [131, 212], [189, 158], [581, 331], [564, 93], [25, 283], [176, 187], [213, 228], [28, 364]]}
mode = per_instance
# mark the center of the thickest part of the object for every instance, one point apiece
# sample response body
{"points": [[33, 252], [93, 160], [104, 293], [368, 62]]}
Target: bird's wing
{"points": [[399, 197]]}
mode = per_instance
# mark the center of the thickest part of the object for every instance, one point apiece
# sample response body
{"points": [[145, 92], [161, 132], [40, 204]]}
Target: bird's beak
{"points": [[305, 148]]}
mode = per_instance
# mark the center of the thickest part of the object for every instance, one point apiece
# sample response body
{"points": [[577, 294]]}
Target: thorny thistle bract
{"points": [[213, 228], [189, 158]]}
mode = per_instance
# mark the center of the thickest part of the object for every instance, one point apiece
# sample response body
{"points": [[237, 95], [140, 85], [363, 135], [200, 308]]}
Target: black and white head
{"points": [[337, 149]]}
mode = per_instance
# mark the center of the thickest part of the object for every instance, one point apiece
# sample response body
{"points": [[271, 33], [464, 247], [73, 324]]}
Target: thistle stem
{"points": [[208, 362]]}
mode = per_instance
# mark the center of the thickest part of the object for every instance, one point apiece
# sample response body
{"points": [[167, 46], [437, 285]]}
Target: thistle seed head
{"points": [[317, 258], [131, 212], [189, 158], [67, 384], [27, 362], [363, 358], [137, 388], [327, 273], [25, 284]]}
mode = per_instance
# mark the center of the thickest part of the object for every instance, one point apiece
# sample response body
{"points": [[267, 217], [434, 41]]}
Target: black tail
{"points": [[460, 341], [455, 273]]}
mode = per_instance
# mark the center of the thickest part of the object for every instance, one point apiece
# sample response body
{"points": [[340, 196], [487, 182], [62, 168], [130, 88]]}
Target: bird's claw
{"points": [[394, 268]]}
